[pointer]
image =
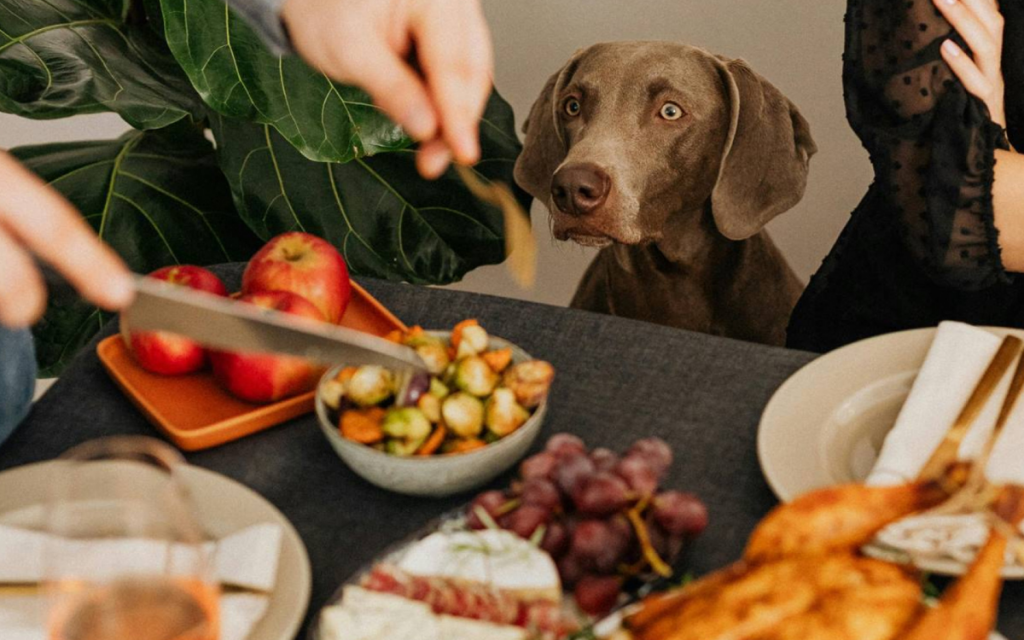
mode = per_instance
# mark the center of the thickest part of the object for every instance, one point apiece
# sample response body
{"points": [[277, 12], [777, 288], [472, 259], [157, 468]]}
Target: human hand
{"points": [[368, 43], [981, 26], [35, 219]]}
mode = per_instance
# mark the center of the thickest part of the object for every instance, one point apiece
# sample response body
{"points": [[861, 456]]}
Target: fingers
{"points": [[454, 48], [980, 25], [391, 82], [22, 292], [963, 66], [41, 221], [433, 158]]}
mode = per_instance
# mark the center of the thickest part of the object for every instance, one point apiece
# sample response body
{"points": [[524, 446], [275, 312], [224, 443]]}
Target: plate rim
{"points": [[290, 535]]}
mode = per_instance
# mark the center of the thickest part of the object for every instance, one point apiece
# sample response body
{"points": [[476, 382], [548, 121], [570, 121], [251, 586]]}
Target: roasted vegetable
{"points": [[408, 428], [503, 414], [370, 385], [474, 375], [499, 359], [332, 391], [434, 356], [433, 443], [363, 425], [463, 414], [438, 389], [430, 405], [456, 337], [465, 445], [530, 381], [411, 387]]}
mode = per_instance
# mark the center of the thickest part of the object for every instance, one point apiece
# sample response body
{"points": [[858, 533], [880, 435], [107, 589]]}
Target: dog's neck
{"points": [[691, 241]]}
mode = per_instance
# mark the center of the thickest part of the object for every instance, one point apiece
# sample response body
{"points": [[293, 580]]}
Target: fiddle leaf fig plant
{"points": [[230, 145]]}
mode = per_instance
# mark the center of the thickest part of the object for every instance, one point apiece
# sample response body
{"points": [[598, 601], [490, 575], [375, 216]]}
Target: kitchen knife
{"points": [[223, 323]]}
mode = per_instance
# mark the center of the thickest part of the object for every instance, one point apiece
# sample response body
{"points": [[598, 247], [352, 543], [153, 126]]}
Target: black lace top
{"points": [[922, 246]]}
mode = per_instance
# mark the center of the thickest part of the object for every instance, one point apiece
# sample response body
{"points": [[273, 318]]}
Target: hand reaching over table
{"points": [[368, 43]]}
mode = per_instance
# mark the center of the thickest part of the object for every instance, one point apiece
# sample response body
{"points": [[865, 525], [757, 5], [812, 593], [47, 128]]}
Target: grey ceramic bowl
{"points": [[434, 476]]}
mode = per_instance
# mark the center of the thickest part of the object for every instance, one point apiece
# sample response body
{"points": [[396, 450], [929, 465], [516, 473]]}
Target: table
{"points": [[618, 380]]}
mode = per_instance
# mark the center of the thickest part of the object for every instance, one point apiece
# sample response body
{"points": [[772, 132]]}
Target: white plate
{"points": [[825, 425], [223, 507]]}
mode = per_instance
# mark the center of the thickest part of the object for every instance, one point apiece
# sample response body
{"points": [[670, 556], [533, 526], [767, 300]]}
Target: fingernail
{"points": [[951, 48], [436, 163], [467, 149], [421, 124], [950, 2]]}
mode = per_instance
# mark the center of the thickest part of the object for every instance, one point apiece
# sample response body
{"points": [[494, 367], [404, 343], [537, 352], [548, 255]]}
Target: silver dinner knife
{"points": [[223, 323]]}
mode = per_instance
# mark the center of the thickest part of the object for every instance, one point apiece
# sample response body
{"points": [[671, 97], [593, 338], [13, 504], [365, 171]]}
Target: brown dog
{"points": [[672, 160]]}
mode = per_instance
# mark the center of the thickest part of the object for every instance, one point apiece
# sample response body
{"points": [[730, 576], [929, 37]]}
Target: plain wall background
{"points": [[796, 44]]}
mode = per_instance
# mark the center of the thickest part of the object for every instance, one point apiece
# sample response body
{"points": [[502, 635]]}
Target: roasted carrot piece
{"points": [[499, 359], [415, 332], [465, 445], [345, 374], [457, 331], [395, 336], [433, 443], [363, 425]]}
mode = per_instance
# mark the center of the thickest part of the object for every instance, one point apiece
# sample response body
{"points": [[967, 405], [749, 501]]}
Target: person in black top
{"points": [[935, 91]]}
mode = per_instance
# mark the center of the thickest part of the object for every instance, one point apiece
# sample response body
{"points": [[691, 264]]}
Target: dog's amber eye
{"points": [[572, 106], [671, 111]]}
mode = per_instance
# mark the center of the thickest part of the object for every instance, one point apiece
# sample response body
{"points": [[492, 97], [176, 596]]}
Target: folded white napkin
{"points": [[247, 558], [957, 359]]}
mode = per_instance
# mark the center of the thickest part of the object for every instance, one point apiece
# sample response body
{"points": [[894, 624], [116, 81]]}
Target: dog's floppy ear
{"points": [[544, 147], [766, 155]]}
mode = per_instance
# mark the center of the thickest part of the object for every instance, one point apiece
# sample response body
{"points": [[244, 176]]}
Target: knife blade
{"points": [[223, 323]]}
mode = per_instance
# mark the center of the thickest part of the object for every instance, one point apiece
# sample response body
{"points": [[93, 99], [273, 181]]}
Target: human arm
{"points": [[933, 145]]}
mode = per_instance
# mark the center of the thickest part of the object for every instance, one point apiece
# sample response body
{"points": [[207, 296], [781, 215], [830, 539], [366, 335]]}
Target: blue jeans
{"points": [[17, 378]]}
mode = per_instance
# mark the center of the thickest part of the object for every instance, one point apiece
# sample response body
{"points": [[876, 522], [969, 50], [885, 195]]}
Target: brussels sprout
{"points": [[422, 340], [474, 375], [530, 381], [430, 405], [502, 414], [463, 414], [408, 427], [438, 388], [370, 385], [475, 337], [332, 391], [434, 356]]}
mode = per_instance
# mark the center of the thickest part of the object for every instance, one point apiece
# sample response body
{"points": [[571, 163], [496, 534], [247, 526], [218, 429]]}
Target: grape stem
{"points": [[657, 564]]}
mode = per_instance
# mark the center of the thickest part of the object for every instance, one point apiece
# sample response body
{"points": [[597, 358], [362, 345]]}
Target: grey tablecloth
{"points": [[618, 380]]}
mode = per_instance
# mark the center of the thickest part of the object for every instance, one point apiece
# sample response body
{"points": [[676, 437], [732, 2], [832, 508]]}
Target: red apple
{"points": [[260, 377], [305, 265], [167, 353]]}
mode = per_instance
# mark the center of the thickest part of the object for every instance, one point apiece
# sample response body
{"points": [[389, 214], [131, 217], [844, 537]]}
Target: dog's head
{"points": [[628, 136]]}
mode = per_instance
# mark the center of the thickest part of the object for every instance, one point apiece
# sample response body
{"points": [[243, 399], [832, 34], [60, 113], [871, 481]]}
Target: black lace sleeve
{"points": [[931, 143]]}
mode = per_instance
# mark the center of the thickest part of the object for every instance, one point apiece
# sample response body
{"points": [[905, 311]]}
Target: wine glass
{"points": [[125, 558]]}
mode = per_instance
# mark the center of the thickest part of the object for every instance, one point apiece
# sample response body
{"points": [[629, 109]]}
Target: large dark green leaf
{"points": [[238, 77], [65, 57], [387, 221], [157, 197]]}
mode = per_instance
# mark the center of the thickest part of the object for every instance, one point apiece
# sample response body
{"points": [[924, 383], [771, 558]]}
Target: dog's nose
{"points": [[580, 188]]}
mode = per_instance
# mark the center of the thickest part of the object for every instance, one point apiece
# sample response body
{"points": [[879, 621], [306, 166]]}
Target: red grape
{"points": [[556, 539], [525, 520], [570, 568], [656, 451], [599, 544], [602, 494], [491, 502], [572, 471], [596, 595], [638, 474], [542, 493], [541, 465], [680, 513], [564, 444], [604, 459]]}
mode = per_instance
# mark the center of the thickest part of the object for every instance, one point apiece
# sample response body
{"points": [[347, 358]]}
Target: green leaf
{"points": [[239, 77], [60, 58], [386, 220], [156, 197]]}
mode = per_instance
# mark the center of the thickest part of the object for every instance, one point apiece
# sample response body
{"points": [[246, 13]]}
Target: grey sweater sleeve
{"points": [[265, 17]]}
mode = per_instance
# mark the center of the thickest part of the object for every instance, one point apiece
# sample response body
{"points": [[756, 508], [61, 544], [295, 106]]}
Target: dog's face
{"points": [[628, 136]]}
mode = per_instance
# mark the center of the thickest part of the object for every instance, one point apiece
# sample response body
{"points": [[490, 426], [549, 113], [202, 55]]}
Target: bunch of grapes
{"points": [[601, 516]]}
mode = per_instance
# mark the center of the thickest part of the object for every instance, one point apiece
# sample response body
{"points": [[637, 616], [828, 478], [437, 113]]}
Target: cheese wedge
{"points": [[500, 560]]}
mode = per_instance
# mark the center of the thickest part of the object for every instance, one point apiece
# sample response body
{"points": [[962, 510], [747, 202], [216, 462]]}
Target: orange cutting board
{"points": [[196, 413]]}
